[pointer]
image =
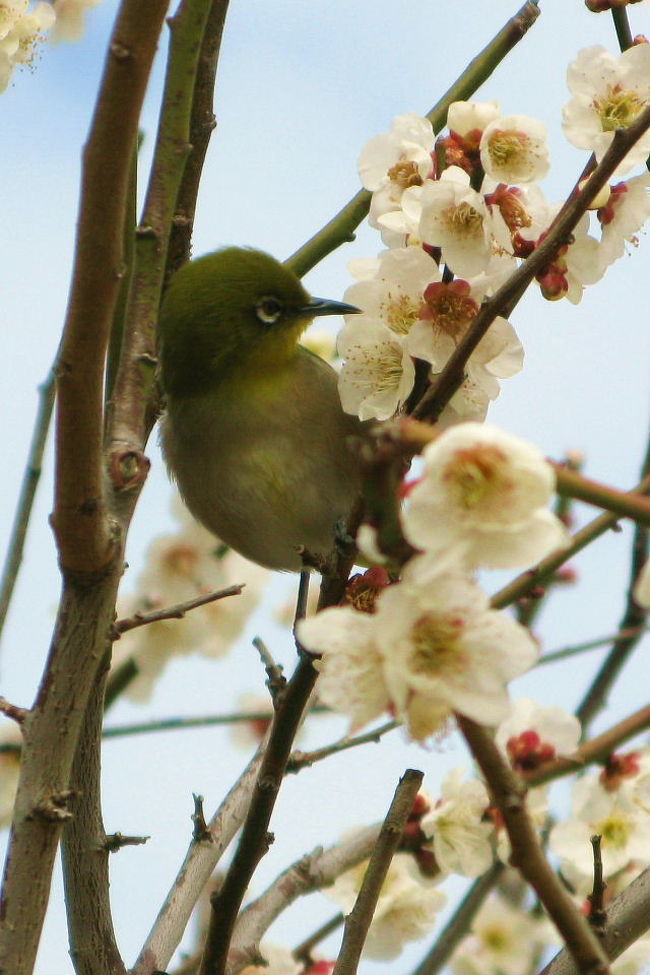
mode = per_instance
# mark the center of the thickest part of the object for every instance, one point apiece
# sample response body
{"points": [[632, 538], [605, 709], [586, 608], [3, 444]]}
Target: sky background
{"points": [[301, 88]]}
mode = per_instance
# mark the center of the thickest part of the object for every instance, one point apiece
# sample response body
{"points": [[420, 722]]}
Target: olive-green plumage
{"points": [[254, 433]]}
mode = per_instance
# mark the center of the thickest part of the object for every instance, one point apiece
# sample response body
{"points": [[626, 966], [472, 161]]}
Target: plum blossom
{"points": [[503, 939], [625, 212], [406, 910], [179, 566], [608, 93], [533, 734], [623, 826], [432, 646], [21, 30], [514, 149], [395, 160], [377, 374], [456, 218], [489, 490], [461, 839]]}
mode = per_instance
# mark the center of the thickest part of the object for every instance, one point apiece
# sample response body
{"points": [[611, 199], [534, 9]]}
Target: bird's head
{"points": [[235, 309]]}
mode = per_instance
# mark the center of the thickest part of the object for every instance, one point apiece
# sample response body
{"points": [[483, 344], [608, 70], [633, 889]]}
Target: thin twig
{"points": [[571, 651], [299, 760], [175, 612], [340, 228], [628, 920], [302, 952], [312, 872], [26, 495], [629, 504], [359, 920], [597, 914]]}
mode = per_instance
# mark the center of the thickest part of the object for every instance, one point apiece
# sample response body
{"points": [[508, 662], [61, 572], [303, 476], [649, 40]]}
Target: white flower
{"points": [[392, 296], [623, 827], [609, 93], [514, 149], [432, 646], [464, 118], [401, 156], [642, 587], [504, 939], [180, 566], [21, 30], [461, 840], [378, 373], [448, 313], [350, 672], [487, 489], [456, 218], [622, 217], [445, 650], [70, 16], [533, 734], [406, 909]]}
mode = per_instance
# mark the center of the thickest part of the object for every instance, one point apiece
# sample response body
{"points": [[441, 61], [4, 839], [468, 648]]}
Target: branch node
{"points": [[128, 469], [201, 830], [55, 807], [115, 841]]}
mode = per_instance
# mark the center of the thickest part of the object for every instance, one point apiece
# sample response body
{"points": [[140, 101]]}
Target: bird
{"points": [[254, 433]]}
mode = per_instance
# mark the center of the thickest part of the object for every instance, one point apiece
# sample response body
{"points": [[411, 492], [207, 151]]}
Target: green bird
{"points": [[254, 434]]}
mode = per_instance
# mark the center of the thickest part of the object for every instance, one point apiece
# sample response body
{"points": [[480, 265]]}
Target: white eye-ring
{"points": [[269, 310]]}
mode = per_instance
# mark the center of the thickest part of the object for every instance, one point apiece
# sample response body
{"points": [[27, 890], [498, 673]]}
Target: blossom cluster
{"points": [[459, 213], [431, 644], [23, 27]]}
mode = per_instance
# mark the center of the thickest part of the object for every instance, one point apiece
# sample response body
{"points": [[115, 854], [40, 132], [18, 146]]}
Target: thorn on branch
{"points": [[115, 841], [200, 831]]}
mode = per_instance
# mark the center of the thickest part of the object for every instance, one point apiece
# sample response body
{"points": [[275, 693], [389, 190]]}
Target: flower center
{"points": [[475, 475], [615, 831], [618, 108], [450, 307], [464, 220], [400, 313], [437, 647], [405, 173], [506, 147]]}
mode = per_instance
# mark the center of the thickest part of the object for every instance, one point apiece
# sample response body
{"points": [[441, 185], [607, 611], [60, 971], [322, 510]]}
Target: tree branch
{"points": [[508, 295], [360, 918], [527, 855], [312, 872]]}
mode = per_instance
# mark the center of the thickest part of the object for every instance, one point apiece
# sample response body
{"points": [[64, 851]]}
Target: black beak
{"points": [[323, 306]]}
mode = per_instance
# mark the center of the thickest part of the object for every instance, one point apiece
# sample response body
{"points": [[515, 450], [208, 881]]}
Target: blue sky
{"points": [[301, 88]]}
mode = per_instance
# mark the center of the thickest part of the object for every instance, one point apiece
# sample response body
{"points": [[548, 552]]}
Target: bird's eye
{"points": [[269, 310]]}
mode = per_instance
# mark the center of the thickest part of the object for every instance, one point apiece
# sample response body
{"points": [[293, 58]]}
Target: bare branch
{"points": [[527, 855], [175, 612], [359, 920], [313, 872]]}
